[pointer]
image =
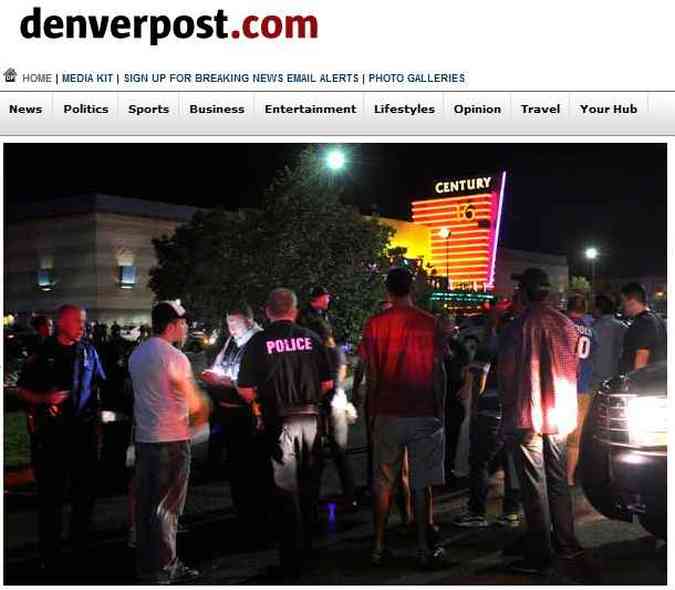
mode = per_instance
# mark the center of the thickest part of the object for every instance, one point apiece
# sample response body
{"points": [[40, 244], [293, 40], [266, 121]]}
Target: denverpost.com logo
{"points": [[157, 27]]}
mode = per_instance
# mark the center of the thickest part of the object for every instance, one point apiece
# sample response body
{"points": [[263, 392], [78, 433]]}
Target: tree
{"points": [[580, 284], [301, 236]]}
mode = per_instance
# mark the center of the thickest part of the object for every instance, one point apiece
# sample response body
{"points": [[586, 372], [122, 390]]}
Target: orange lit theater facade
{"points": [[463, 217], [456, 229]]}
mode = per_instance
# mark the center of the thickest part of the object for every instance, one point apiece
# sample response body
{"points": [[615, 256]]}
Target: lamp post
{"points": [[592, 255], [445, 233]]}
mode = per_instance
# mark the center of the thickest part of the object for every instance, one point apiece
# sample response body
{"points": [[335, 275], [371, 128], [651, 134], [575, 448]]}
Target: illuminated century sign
{"points": [[464, 228]]}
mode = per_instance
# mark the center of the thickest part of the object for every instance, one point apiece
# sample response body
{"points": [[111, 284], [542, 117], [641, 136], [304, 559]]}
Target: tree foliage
{"points": [[301, 236], [580, 284]]}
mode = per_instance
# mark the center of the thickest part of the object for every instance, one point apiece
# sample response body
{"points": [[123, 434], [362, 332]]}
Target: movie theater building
{"points": [[96, 250]]}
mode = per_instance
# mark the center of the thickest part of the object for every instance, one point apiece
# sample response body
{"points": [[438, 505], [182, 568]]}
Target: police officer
{"points": [[284, 373], [232, 424], [317, 310], [58, 384]]}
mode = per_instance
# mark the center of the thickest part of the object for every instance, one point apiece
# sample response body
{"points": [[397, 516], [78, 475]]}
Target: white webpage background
{"points": [[500, 45]]}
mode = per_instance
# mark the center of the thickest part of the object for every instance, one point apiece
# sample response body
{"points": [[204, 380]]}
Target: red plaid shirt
{"points": [[538, 361]]}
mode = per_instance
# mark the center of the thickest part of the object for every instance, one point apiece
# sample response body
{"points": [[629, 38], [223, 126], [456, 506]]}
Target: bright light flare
{"points": [[444, 232], [591, 253], [336, 160], [648, 421]]}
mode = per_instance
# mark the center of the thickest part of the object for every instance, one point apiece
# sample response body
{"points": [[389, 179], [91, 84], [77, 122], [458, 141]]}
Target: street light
{"points": [[592, 255], [445, 233], [335, 160]]}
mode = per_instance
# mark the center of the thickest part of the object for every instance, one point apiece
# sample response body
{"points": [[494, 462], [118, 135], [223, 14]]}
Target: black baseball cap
{"points": [[534, 278], [318, 292], [168, 311]]}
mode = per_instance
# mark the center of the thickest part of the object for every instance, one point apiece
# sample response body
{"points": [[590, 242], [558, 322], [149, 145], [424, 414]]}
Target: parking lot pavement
{"points": [[618, 553]]}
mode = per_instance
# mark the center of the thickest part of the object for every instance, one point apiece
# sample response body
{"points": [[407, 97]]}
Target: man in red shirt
{"points": [[538, 359], [406, 386]]}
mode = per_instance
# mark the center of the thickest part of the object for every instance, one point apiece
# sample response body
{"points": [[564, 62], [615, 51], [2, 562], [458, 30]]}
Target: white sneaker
{"points": [[511, 519]]}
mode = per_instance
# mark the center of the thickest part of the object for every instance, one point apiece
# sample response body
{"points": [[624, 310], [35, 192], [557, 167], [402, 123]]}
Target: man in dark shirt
{"points": [[231, 424], [317, 310], [645, 340], [285, 371], [57, 383], [456, 359]]}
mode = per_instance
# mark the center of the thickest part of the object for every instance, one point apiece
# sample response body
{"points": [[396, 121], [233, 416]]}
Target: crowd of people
{"points": [[276, 402]]}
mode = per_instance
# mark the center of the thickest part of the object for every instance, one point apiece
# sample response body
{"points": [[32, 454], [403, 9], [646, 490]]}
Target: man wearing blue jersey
{"points": [[577, 312]]}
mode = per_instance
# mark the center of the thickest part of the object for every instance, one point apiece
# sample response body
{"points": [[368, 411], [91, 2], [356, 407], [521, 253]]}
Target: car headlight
{"points": [[647, 419]]}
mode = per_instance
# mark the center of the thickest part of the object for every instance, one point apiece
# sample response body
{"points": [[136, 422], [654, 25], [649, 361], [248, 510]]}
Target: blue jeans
{"points": [[487, 444], [541, 465], [162, 474]]}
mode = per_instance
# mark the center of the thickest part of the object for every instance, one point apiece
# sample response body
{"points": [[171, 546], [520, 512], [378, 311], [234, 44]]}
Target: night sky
{"points": [[560, 198]]}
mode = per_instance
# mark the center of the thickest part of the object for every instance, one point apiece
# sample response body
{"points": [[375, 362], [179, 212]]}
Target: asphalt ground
{"points": [[617, 553]]}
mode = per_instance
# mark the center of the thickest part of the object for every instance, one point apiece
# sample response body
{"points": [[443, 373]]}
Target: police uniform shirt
{"points": [[286, 363], [71, 368], [313, 316]]}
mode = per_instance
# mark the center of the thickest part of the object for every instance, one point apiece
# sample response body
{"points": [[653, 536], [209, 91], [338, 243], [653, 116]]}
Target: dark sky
{"points": [[560, 198]]}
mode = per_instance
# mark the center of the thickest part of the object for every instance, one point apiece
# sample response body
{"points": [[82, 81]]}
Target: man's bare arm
{"points": [[247, 394], [198, 403], [52, 397]]}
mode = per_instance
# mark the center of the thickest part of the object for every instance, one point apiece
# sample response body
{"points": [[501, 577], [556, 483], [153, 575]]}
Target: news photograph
{"points": [[371, 363]]}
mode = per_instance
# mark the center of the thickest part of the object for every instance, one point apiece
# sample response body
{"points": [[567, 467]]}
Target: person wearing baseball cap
{"points": [[538, 360], [165, 399], [317, 311]]}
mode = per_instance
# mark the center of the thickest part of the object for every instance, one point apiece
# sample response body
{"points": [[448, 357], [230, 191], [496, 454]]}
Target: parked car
{"points": [[130, 332], [624, 449]]}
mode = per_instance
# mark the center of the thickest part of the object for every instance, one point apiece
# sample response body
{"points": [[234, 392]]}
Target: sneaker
{"points": [[183, 573], [525, 566], [470, 520], [131, 538], [511, 519], [432, 560], [380, 556]]}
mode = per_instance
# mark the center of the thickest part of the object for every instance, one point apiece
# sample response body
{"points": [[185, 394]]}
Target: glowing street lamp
{"points": [[445, 233], [592, 255], [335, 160]]}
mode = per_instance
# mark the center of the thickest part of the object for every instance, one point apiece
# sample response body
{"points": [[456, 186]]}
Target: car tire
{"points": [[655, 526]]}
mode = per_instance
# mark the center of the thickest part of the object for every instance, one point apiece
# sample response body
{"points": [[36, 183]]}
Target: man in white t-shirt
{"points": [[165, 398]]}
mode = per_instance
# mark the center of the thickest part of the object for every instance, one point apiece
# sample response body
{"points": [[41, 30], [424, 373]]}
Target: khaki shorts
{"points": [[583, 405], [425, 440]]}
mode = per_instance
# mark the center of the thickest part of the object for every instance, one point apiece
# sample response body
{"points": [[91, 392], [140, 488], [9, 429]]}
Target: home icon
{"points": [[10, 75]]}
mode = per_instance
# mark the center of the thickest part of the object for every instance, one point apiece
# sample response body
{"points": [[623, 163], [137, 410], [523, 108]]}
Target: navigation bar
{"points": [[336, 113]]}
